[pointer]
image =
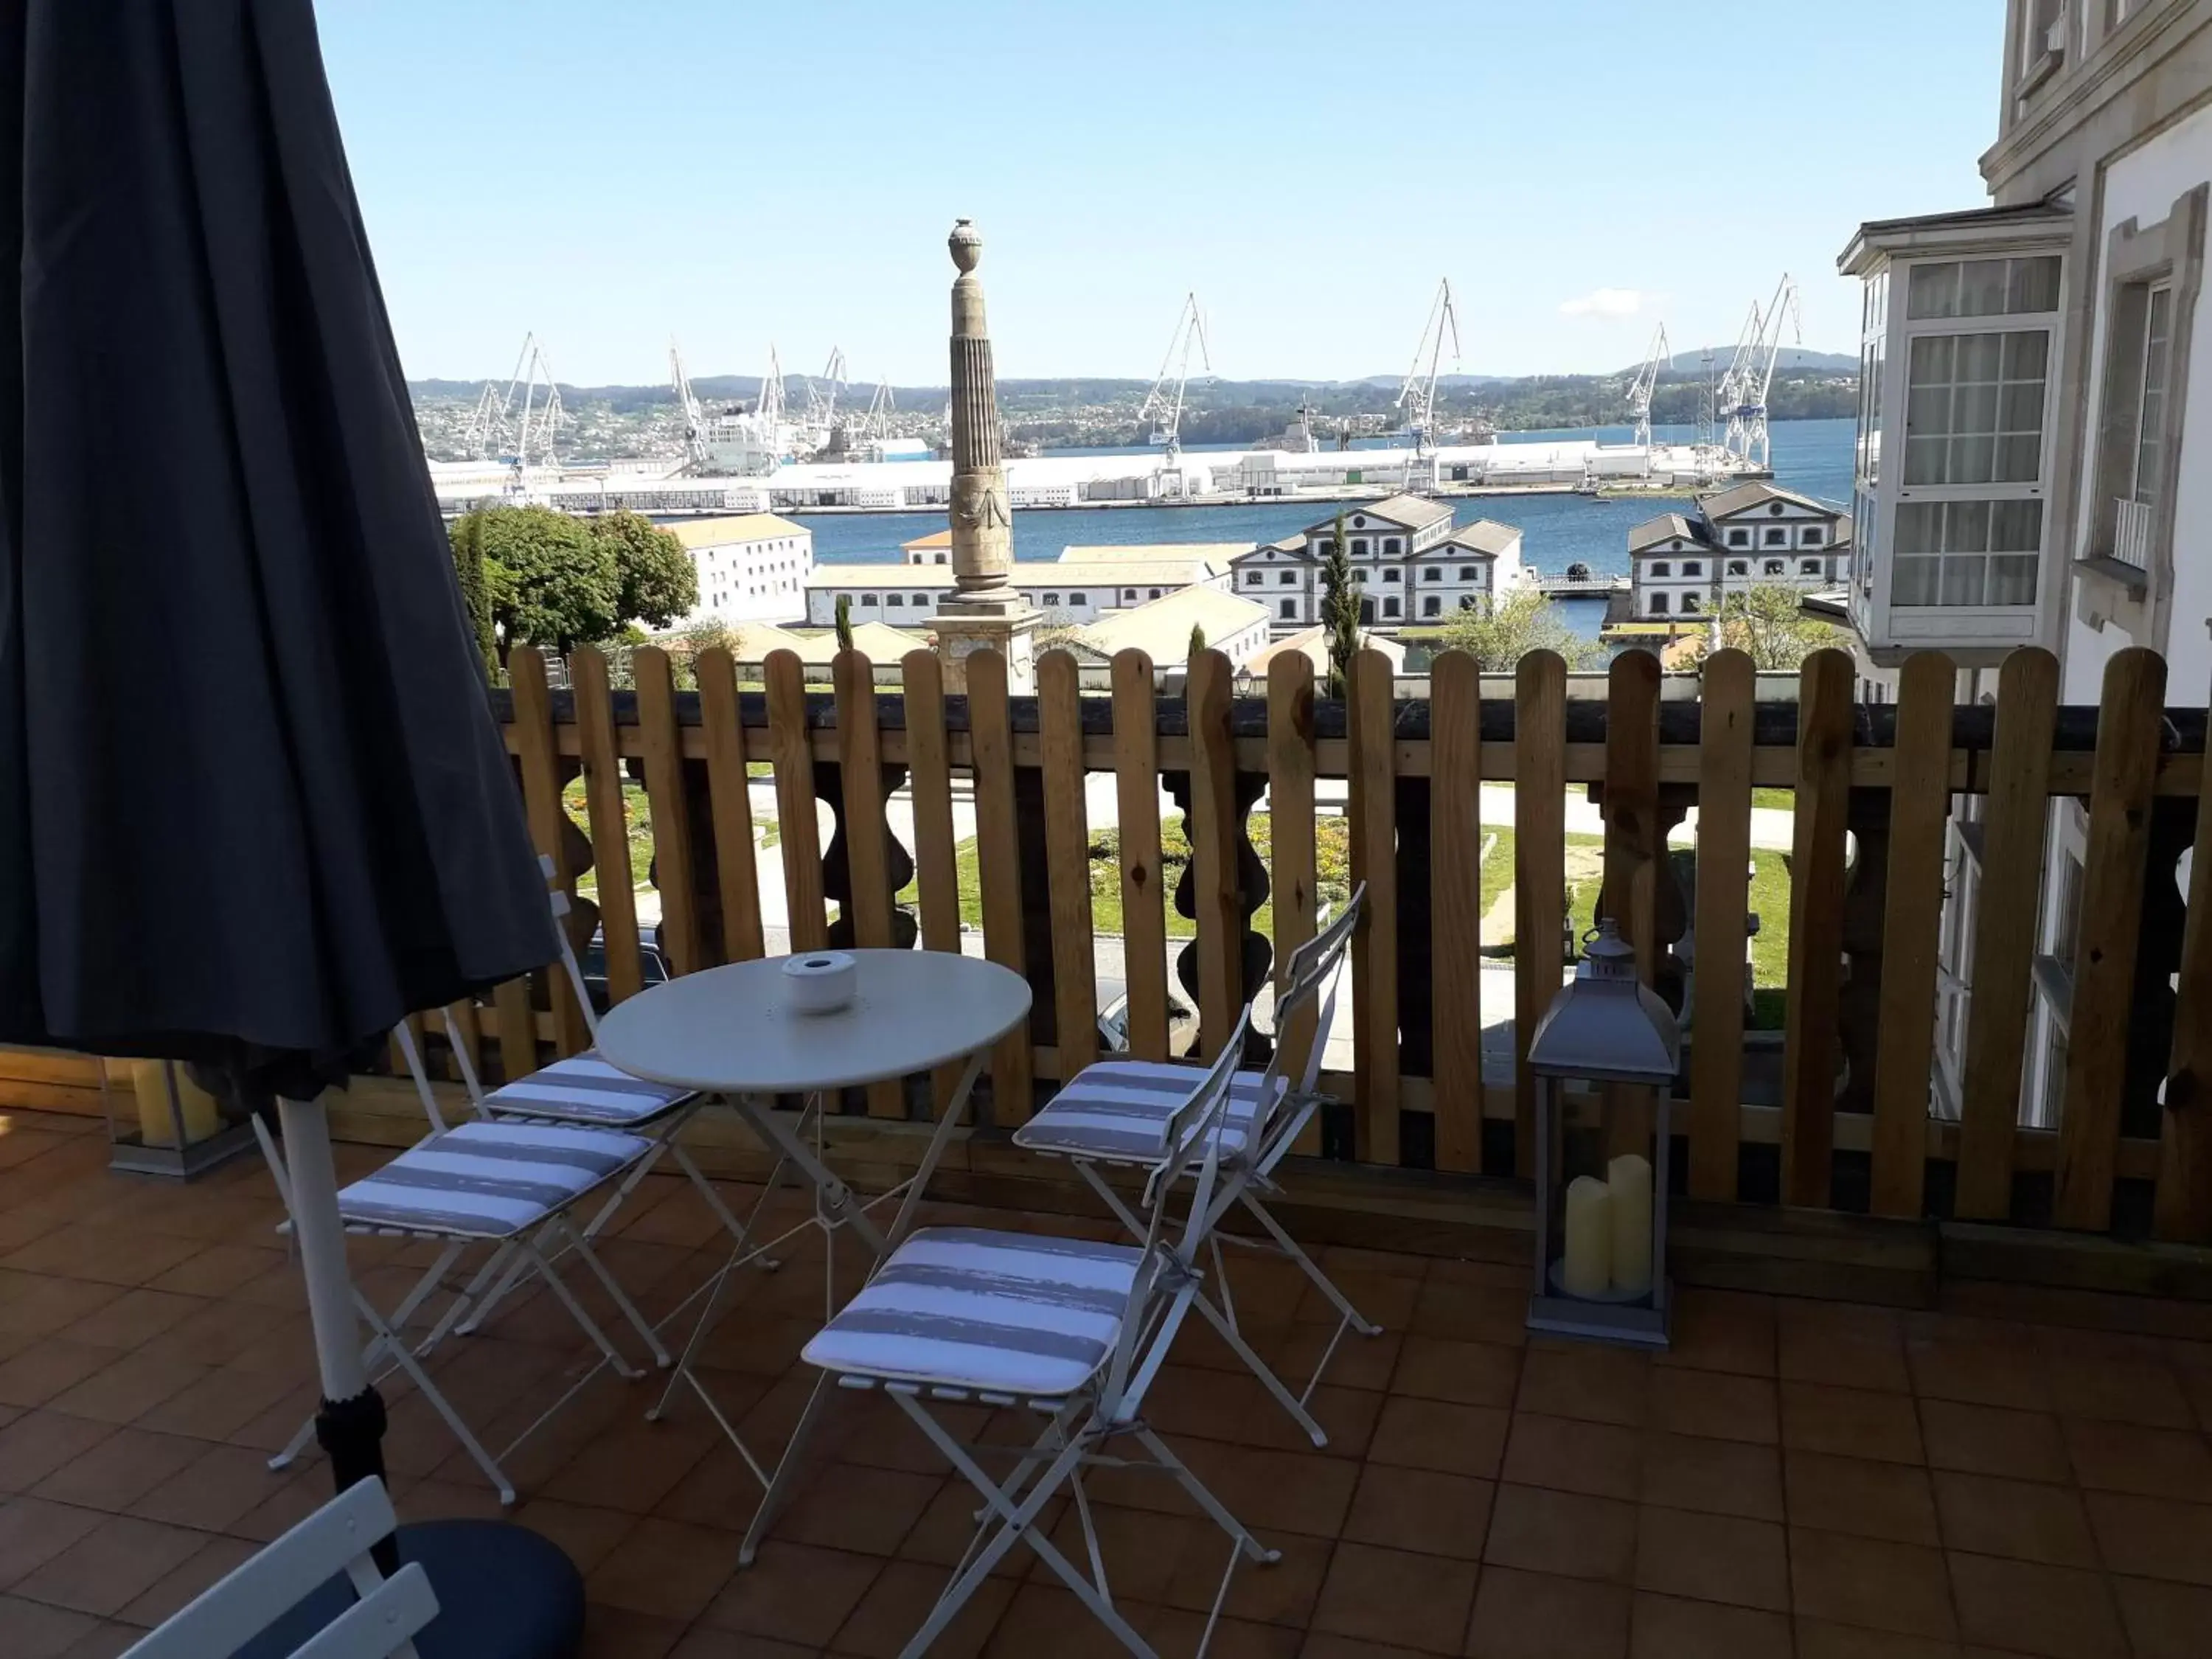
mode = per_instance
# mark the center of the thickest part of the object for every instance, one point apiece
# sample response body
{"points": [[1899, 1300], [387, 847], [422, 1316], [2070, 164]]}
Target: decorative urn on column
{"points": [[983, 613]]}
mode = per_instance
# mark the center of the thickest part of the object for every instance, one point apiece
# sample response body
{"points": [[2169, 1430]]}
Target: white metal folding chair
{"points": [[250, 1599], [1114, 1114], [1070, 1330], [514, 1186], [584, 1090]]}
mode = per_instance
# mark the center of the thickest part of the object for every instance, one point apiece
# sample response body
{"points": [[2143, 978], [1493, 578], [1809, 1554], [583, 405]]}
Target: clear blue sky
{"points": [[786, 171]]}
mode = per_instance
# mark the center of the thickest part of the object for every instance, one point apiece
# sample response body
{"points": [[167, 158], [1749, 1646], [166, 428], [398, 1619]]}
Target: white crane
{"points": [[822, 398], [876, 424], [1646, 382], [1163, 406], [687, 405], [1418, 396], [1751, 377], [520, 424]]}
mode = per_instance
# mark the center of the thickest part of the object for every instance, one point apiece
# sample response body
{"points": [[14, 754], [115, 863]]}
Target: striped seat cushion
{"points": [[585, 1089], [488, 1180], [1022, 1314], [1118, 1109]]}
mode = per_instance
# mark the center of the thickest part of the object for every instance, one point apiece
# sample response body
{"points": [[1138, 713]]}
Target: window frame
{"points": [[2169, 256]]}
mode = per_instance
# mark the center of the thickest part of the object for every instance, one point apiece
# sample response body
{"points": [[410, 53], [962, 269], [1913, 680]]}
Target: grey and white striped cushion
{"points": [[1021, 1313], [585, 1089], [1118, 1109], [488, 1180]]}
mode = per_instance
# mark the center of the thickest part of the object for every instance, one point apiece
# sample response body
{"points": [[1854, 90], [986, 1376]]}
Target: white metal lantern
{"points": [[1601, 1204]]}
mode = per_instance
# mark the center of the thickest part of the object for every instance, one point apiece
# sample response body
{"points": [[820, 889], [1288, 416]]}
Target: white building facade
{"points": [[1410, 562], [1754, 535], [750, 569], [1067, 590], [2027, 470]]}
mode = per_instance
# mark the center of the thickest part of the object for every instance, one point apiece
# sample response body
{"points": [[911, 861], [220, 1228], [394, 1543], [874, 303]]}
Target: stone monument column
{"points": [[982, 612]]}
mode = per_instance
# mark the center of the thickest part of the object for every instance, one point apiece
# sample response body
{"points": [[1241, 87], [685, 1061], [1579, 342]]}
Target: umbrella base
{"points": [[503, 1593]]}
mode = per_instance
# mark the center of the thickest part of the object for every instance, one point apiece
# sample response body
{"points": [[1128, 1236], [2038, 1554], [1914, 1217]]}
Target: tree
{"points": [[475, 594], [1767, 624], [1197, 640], [1339, 612], [844, 622], [659, 583], [558, 581], [1499, 630], [549, 581]]}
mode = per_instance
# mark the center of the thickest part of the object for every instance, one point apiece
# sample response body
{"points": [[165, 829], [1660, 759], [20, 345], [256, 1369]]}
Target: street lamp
{"points": [[1601, 1268]]}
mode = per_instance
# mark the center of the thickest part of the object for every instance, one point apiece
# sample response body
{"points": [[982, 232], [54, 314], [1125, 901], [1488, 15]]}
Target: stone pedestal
{"points": [[1012, 634]]}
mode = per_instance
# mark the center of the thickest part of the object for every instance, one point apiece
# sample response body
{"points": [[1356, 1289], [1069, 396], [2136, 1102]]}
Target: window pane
{"points": [[1982, 288], [1962, 580], [2034, 285], [2012, 579], [1914, 581], [2021, 410], [2014, 527], [1919, 527], [1932, 360], [2025, 354], [2017, 459], [1973, 460], [1934, 293]]}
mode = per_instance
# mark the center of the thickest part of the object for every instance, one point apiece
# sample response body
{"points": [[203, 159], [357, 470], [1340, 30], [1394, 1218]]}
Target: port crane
{"points": [[876, 424], [1163, 406], [687, 405], [1418, 396], [1646, 382], [520, 424], [822, 398], [1744, 394]]}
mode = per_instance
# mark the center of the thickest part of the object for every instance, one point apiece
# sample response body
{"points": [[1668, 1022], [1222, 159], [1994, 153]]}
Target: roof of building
{"points": [[1313, 646], [751, 641], [696, 533], [1161, 628], [935, 538], [1217, 555], [1485, 536], [1666, 527], [1408, 512], [1964, 231], [878, 641], [1027, 573], [1758, 492]]}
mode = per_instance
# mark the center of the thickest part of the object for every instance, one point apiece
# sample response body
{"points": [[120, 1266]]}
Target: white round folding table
{"points": [[733, 1031]]}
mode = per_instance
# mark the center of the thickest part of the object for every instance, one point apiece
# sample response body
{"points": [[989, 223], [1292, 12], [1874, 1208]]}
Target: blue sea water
{"points": [[1811, 455]]}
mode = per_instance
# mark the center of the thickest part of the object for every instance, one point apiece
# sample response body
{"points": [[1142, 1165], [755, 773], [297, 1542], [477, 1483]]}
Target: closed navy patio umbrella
{"points": [[254, 808]]}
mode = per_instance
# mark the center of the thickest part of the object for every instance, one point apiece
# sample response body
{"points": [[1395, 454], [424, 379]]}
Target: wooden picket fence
{"points": [[1884, 777]]}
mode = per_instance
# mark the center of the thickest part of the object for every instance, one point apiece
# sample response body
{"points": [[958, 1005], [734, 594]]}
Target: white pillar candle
{"points": [[1587, 1266], [1629, 1184]]}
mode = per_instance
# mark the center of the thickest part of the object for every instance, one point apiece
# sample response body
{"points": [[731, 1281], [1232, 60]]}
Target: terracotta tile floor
{"points": [[1795, 1478]]}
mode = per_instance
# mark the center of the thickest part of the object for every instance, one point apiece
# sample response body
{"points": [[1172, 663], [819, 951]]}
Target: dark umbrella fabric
{"points": [[254, 808]]}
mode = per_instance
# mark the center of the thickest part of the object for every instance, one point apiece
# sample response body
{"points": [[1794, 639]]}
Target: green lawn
{"points": [[1782, 800], [639, 820]]}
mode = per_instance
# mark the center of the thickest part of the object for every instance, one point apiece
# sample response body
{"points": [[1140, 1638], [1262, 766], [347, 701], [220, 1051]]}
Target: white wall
{"points": [[2142, 185], [761, 580]]}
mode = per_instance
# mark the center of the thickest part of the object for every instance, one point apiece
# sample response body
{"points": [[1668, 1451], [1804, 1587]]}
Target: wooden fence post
{"points": [[1144, 894], [866, 837], [549, 822], [2013, 824], [1067, 854], [2121, 782], [1292, 843], [1455, 889], [937, 874], [998, 857], [799, 838], [1813, 1039], [1540, 873], [1919, 817], [1373, 811], [665, 791], [729, 790], [1729, 689], [603, 801]]}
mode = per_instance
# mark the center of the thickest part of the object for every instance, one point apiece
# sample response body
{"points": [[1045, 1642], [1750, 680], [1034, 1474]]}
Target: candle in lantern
{"points": [[1586, 1266], [157, 1121], [1629, 1187]]}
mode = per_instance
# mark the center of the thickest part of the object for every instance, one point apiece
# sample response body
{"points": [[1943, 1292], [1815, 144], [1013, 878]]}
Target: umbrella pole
{"points": [[350, 1424]]}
